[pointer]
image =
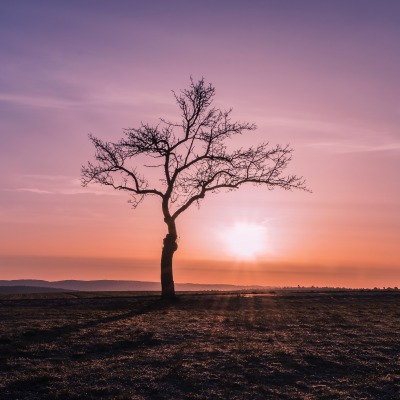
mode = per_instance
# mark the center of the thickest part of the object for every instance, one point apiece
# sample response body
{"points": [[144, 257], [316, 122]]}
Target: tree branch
{"points": [[194, 156]]}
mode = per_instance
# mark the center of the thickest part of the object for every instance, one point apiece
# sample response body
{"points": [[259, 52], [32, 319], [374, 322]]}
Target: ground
{"points": [[283, 345]]}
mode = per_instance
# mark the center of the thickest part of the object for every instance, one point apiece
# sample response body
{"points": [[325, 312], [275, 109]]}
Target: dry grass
{"points": [[288, 346]]}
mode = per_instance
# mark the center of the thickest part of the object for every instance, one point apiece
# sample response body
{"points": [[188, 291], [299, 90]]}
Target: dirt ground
{"points": [[308, 345]]}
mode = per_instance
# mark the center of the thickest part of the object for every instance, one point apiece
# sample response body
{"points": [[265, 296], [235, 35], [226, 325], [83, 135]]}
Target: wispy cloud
{"points": [[44, 177], [33, 190], [98, 100], [58, 185], [39, 101], [303, 123], [67, 192], [332, 131], [347, 147]]}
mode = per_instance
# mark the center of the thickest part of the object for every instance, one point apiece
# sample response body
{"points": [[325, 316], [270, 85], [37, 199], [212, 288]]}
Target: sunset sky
{"points": [[321, 75]]}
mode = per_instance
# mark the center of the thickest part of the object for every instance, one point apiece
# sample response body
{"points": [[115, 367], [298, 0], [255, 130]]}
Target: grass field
{"points": [[288, 345]]}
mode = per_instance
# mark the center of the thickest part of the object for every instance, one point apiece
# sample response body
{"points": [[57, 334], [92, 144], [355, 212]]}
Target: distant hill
{"points": [[113, 285], [28, 289]]}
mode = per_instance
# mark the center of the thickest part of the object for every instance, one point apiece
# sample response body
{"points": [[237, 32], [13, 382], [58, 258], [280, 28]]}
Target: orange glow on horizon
{"points": [[336, 105]]}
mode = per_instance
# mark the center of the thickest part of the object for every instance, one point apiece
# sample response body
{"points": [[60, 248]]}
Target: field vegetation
{"points": [[281, 345]]}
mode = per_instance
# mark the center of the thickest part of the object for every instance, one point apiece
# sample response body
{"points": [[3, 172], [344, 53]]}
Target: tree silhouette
{"points": [[192, 159]]}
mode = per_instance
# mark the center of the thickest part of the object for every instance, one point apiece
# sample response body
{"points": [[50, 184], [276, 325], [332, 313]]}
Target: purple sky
{"points": [[321, 75]]}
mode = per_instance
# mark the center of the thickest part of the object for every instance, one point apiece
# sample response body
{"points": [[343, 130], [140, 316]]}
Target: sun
{"points": [[245, 240]]}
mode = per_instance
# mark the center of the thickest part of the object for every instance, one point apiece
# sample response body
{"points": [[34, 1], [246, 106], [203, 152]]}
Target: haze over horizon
{"points": [[322, 76]]}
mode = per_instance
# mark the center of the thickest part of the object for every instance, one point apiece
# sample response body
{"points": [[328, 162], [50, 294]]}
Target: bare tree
{"points": [[192, 159]]}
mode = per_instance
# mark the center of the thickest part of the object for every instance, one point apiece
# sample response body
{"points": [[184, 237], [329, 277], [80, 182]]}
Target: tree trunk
{"points": [[169, 248]]}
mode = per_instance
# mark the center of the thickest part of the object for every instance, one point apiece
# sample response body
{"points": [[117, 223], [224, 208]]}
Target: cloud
{"points": [[347, 147], [115, 98], [302, 123], [59, 185], [33, 190], [67, 192], [50, 177], [39, 101]]}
